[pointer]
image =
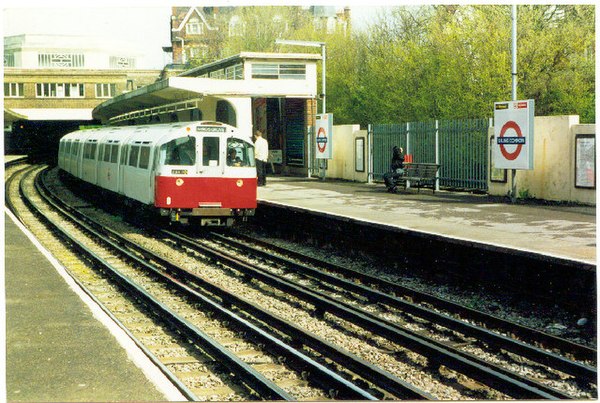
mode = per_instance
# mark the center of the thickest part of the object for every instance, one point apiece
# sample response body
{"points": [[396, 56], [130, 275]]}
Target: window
{"points": [[235, 26], [9, 60], [292, 71], [59, 90], [194, 27], [210, 151], [144, 157], [181, 151], [240, 153], [89, 149], [114, 152], [13, 90], [124, 154], [106, 153], [60, 60], [219, 74], [106, 90], [276, 71], [200, 51], [235, 72], [265, 70], [133, 156]]}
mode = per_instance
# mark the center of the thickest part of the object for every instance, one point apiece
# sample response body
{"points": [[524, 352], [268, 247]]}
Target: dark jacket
{"points": [[397, 160]]}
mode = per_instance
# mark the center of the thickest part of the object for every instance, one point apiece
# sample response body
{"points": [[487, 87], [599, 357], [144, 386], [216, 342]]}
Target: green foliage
{"points": [[418, 63], [448, 62]]}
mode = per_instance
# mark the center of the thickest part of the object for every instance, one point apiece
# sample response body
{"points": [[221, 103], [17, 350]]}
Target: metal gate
{"points": [[459, 146]]}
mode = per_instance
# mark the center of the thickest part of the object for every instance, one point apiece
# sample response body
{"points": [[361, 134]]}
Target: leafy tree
{"points": [[419, 63]]}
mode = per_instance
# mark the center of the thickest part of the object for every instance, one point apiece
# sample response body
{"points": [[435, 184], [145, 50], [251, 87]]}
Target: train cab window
{"points": [[240, 153], [67, 147], [210, 151], [181, 151], [144, 157], [133, 156]]}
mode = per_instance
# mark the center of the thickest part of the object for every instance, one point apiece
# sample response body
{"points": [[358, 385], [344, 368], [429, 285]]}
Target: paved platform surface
{"points": [[57, 349], [561, 231]]}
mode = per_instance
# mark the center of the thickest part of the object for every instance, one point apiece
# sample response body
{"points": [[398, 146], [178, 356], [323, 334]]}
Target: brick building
{"points": [[52, 84]]}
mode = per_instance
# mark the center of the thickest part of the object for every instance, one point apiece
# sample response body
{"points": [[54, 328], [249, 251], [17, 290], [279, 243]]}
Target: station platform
{"points": [[59, 345], [563, 231]]}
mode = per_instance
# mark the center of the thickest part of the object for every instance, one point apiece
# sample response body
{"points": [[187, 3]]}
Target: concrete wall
{"points": [[553, 174], [343, 163]]}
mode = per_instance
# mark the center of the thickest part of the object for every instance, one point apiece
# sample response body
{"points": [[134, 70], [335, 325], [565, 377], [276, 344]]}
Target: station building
{"points": [[275, 93], [53, 82]]}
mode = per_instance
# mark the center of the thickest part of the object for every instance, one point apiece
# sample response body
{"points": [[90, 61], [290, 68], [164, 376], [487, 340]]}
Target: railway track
{"points": [[357, 328], [417, 302], [341, 297], [231, 359]]}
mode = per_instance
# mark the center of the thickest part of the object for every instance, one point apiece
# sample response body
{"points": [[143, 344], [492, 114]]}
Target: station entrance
{"points": [[286, 123]]}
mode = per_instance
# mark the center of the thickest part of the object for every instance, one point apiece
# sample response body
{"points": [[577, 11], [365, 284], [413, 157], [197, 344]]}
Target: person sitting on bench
{"points": [[396, 169]]}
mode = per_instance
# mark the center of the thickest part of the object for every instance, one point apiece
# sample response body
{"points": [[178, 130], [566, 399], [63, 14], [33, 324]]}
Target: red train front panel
{"points": [[192, 192]]}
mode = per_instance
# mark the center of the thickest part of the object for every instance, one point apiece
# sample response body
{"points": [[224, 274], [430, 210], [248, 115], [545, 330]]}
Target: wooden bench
{"points": [[419, 175]]}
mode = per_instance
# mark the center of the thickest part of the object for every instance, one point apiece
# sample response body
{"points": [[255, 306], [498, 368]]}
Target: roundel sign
{"points": [[513, 134], [321, 140], [324, 130]]}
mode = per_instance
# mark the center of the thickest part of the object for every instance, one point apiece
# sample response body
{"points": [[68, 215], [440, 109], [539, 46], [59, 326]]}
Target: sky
{"points": [[141, 25]]}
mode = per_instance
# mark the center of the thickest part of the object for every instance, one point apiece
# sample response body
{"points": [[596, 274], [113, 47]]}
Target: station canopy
{"points": [[183, 88]]}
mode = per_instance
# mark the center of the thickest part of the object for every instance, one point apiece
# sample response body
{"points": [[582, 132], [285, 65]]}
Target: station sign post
{"points": [[324, 130], [323, 145], [513, 133]]}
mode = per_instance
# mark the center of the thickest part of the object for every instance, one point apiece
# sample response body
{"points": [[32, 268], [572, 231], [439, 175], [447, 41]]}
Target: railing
{"points": [[459, 146]]}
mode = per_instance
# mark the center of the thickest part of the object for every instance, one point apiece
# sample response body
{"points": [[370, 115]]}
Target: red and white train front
{"points": [[208, 173], [203, 171]]}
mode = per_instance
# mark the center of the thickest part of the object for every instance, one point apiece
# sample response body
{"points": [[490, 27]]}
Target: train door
{"points": [[211, 163], [123, 158], [75, 158]]}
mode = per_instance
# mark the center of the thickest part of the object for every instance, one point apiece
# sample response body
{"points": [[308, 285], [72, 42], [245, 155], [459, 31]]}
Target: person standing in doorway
{"points": [[261, 153]]}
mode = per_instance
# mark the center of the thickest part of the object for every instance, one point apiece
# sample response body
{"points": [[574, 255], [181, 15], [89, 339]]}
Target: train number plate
{"points": [[179, 171]]}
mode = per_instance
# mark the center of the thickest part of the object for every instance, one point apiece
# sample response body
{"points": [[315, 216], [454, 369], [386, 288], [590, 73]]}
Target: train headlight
{"points": [[179, 182], [168, 200], [239, 183]]}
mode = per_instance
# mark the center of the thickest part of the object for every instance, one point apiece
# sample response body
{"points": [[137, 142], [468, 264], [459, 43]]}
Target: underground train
{"points": [[191, 172]]}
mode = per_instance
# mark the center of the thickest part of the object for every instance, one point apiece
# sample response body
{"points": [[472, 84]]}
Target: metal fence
{"points": [[459, 146]]}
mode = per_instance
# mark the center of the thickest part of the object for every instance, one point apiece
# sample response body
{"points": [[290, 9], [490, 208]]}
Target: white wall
{"points": [[343, 162], [553, 176]]}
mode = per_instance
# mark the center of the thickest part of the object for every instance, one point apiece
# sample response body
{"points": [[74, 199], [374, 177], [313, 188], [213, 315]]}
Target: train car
{"points": [[191, 172]]}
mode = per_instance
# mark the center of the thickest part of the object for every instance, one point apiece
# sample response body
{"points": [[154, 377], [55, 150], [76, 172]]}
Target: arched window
{"points": [[226, 113]]}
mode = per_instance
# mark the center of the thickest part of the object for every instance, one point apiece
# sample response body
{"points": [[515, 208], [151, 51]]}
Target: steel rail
{"points": [[263, 386], [185, 391], [372, 373], [7, 200], [256, 380], [531, 352], [487, 374], [530, 335]]}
